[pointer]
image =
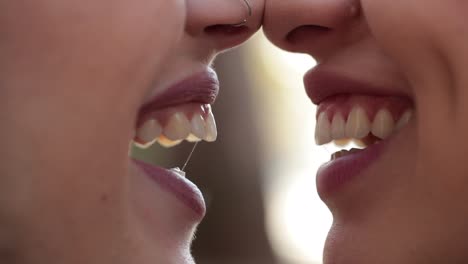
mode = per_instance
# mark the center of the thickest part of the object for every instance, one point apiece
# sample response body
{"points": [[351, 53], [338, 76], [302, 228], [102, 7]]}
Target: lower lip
{"points": [[335, 174], [187, 192]]}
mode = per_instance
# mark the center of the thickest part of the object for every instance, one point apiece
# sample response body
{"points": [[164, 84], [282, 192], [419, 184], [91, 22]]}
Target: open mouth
{"points": [[371, 120], [180, 113], [168, 127], [349, 110], [366, 119]]}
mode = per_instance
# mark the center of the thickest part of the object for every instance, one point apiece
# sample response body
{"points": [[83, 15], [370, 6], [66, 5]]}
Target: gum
{"points": [[371, 104], [163, 115]]}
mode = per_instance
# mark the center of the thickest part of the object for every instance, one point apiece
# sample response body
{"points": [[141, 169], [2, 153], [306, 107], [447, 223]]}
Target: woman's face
{"points": [[80, 80], [392, 72]]}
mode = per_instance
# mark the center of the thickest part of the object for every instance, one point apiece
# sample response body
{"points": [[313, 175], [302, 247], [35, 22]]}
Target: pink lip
{"points": [[335, 174], [202, 88], [187, 192], [321, 84]]}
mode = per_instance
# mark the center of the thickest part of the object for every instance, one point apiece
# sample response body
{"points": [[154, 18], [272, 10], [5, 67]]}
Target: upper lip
{"points": [[321, 84], [202, 87]]}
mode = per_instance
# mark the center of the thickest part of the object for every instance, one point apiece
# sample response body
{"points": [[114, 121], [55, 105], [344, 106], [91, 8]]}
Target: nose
{"points": [[222, 24], [316, 27]]}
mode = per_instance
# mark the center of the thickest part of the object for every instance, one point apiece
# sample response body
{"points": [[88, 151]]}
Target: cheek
{"points": [[419, 35], [397, 27], [74, 64], [154, 31], [73, 76], [123, 41], [421, 40], [415, 38]]}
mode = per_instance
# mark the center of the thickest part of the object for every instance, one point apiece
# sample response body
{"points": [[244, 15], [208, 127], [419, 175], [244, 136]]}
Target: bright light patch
{"points": [[297, 220]]}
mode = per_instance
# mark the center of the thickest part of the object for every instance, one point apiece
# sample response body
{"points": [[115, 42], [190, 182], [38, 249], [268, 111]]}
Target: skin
{"points": [[410, 205], [73, 75]]}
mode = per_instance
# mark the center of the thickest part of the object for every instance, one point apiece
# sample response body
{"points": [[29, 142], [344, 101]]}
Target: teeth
{"points": [[358, 125], [177, 129], [150, 130], [192, 138], [404, 119], [338, 127], [341, 142], [211, 131], [322, 129], [383, 124], [344, 152], [359, 143], [198, 127], [167, 143]]}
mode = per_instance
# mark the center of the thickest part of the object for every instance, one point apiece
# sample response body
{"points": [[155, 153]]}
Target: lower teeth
{"points": [[344, 152]]}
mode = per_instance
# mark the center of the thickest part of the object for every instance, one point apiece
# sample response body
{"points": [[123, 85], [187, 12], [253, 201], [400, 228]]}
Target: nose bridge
{"points": [[222, 24], [311, 26]]}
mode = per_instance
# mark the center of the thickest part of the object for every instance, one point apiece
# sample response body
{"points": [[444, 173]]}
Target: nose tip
{"points": [[316, 27], [224, 24], [249, 14]]}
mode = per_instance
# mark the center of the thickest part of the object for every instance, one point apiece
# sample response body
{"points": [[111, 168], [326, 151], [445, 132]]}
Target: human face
{"points": [[404, 199], [78, 79]]}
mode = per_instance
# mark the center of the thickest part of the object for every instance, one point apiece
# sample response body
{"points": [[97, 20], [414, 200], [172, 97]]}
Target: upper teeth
{"points": [[357, 125], [178, 128]]}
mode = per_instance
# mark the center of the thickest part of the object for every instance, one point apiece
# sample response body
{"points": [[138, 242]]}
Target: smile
{"points": [[360, 117], [352, 110], [182, 112], [192, 122]]}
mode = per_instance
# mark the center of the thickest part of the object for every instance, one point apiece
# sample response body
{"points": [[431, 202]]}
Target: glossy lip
{"points": [[202, 88], [187, 192], [335, 174], [321, 84]]}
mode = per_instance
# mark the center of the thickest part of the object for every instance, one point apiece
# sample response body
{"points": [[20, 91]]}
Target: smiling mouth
{"points": [[349, 109], [169, 127], [182, 112], [372, 120], [353, 110], [366, 119]]}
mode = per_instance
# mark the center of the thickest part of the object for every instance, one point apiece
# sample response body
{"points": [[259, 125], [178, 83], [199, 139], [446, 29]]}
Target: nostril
{"points": [[306, 32], [226, 30]]}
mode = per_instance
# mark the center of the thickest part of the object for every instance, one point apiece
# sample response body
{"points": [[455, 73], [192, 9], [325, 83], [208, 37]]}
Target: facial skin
{"points": [[410, 205], [73, 76]]}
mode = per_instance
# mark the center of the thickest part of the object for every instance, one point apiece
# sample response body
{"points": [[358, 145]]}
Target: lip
{"points": [[183, 189], [321, 84], [202, 87], [335, 174]]}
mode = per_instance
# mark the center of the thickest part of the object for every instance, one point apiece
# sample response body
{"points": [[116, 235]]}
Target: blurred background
{"points": [[258, 178]]}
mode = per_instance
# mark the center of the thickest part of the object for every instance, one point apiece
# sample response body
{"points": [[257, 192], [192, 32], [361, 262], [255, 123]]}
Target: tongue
{"points": [[370, 139]]}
